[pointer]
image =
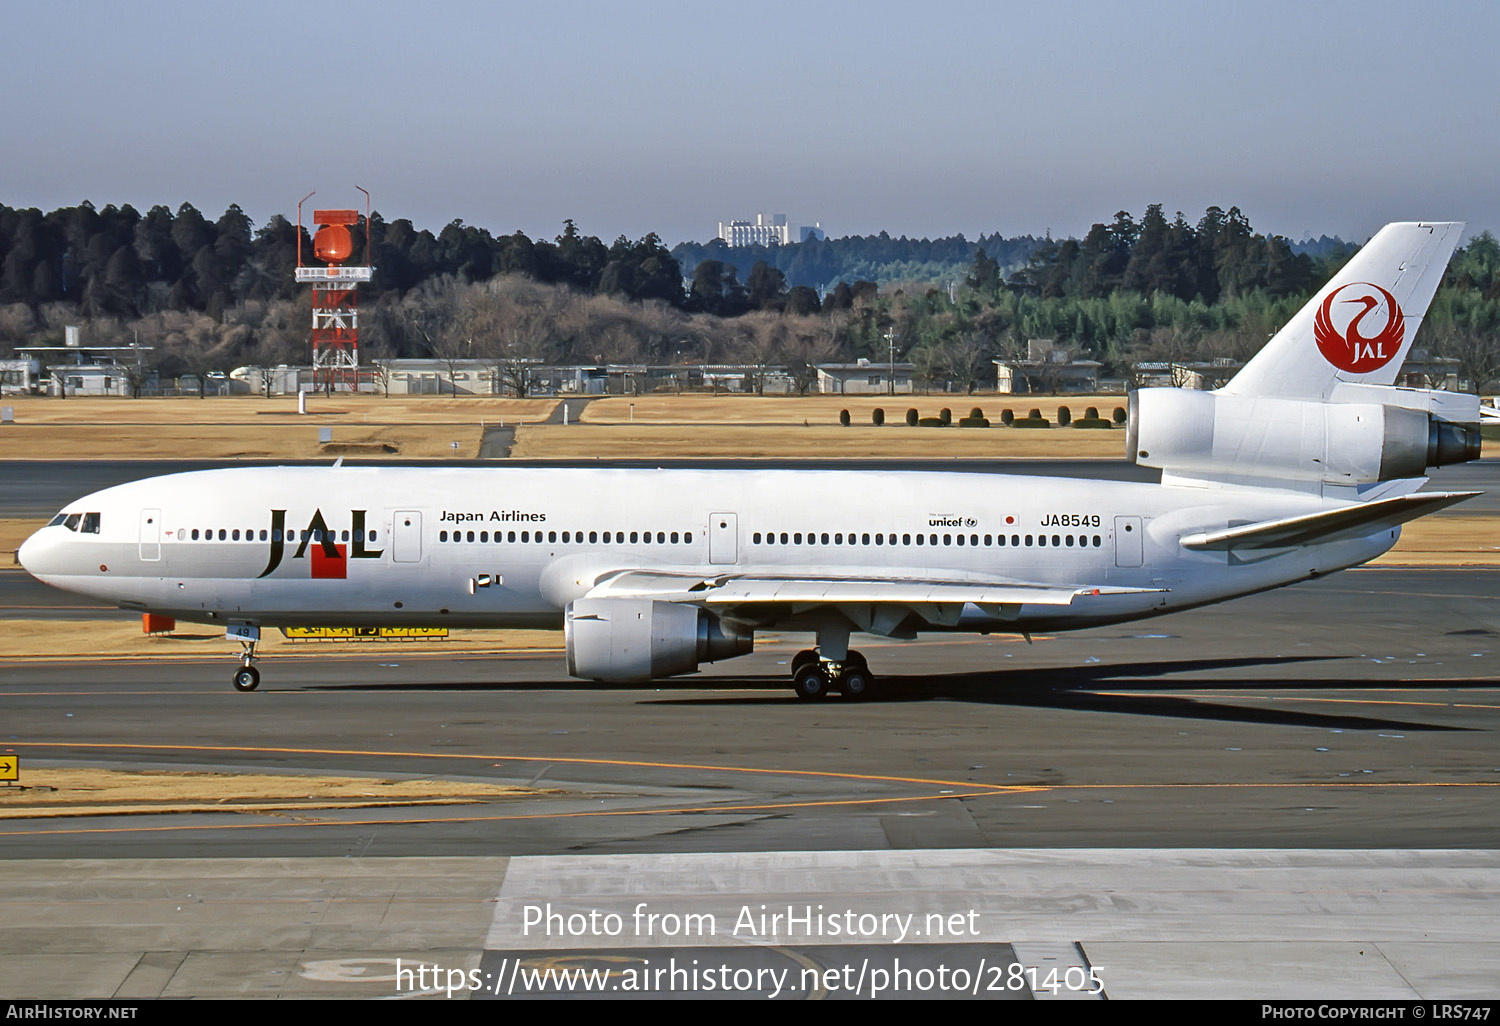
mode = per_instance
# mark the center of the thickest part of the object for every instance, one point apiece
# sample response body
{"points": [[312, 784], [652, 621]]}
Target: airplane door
{"points": [[723, 537], [406, 536], [150, 535], [1129, 541]]}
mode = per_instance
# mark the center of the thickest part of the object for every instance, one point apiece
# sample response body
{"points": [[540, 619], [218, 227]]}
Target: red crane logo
{"points": [[1346, 340]]}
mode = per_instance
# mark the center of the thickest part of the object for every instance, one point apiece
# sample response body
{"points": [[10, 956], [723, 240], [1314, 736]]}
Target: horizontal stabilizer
{"points": [[1328, 526]]}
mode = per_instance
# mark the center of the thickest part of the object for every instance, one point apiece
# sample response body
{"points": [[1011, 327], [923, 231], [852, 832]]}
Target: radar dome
{"points": [[333, 244]]}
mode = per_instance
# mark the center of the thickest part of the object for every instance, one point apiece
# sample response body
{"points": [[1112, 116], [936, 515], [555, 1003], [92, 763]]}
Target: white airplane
{"points": [[1307, 462]]}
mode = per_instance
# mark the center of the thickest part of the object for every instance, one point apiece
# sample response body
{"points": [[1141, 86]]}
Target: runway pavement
{"points": [[1291, 795]]}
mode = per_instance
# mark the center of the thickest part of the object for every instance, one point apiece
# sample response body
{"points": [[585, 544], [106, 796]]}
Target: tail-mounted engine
{"points": [[630, 639], [1361, 434]]}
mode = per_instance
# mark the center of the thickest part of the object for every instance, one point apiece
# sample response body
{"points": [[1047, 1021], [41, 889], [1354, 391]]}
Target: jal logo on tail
{"points": [[1359, 327]]}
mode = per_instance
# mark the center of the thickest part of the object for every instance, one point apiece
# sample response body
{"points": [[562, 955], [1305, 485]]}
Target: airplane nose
{"points": [[29, 554]]}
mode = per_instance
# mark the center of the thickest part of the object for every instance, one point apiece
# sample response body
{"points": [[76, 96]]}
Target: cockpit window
{"points": [[57, 520], [71, 523], [90, 524]]}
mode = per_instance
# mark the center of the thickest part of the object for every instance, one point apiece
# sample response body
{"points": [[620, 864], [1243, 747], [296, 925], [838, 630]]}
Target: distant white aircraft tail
{"points": [[1359, 327]]}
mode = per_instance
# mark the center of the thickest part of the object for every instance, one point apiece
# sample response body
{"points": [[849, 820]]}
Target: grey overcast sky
{"points": [[919, 118]]}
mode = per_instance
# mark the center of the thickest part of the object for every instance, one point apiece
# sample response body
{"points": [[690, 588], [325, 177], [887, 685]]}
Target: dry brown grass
{"points": [[297, 440], [611, 441], [72, 640], [321, 410], [695, 408], [50, 791], [251, 428]]}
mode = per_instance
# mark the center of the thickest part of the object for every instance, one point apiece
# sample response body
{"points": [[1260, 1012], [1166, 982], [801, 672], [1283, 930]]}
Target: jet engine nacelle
{"points": [[1362, 434], [625, 640]]}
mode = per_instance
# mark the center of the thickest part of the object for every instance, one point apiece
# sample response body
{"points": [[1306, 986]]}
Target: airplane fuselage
{"points": [[511, 547]]}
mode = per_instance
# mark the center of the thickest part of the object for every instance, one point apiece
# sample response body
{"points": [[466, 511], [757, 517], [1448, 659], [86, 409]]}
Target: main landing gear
{"points": [[813, 676], [247, 677]]}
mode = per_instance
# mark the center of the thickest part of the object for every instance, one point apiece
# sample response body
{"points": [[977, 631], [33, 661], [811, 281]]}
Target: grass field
{"points": [[246, 427], [667, 425]]}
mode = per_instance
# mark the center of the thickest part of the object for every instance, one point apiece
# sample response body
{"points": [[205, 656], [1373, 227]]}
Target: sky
{"points": [[918, 118]]}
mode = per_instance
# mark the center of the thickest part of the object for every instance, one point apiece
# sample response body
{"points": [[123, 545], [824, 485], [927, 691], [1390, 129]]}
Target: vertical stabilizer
{"points": [[1359, 326]]}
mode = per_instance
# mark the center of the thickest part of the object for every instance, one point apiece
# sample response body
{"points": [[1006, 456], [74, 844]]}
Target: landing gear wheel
{"points": [[810, 682], [807, 657], [246, 678], [856, 682]]}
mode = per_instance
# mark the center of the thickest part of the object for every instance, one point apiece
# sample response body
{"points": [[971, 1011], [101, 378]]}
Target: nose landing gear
{"points": [[813, 676], [247, 677]]}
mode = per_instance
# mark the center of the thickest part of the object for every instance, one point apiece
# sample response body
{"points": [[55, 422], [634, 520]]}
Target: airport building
{"points": [[865, 377], [20, 377], [1048, 369]]}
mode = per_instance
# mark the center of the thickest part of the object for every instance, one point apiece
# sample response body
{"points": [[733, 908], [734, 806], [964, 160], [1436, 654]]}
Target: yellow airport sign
{"points": [[364, 633], [10, 767]]}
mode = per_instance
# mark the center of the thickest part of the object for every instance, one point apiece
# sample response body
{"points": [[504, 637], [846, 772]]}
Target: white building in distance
{"points": [[765, 230]]}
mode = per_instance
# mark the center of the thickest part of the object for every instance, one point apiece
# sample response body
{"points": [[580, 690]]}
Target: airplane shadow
{"points": [[1106, 687], [1091, 687]]}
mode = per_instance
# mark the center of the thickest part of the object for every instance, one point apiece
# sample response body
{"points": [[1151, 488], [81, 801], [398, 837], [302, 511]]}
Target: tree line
{"points": [[212, 295]]}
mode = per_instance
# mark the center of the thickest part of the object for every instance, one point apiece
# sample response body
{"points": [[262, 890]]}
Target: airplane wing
{"points": [[1328, 526], [875, 604]]}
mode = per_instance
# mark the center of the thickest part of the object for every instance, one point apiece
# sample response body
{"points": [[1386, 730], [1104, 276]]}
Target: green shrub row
{"points": [[976, 418]]}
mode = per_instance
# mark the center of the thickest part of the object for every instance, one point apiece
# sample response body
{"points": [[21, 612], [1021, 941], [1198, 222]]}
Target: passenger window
{"points": [[195, 534], [838, 539], [525, 536], [674, 537], [947, 539], [634, 535], [1055, 540], [593, 537], [1028, 541], [442, 536], [551, 536], [783, 538], [864, 539], [986, 541], [223, 534], [236, 535], [961, 539], [1041, 539], [921, 540]]}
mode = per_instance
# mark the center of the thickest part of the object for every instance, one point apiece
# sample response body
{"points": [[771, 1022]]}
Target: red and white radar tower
{"points": [[335, 309]]}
